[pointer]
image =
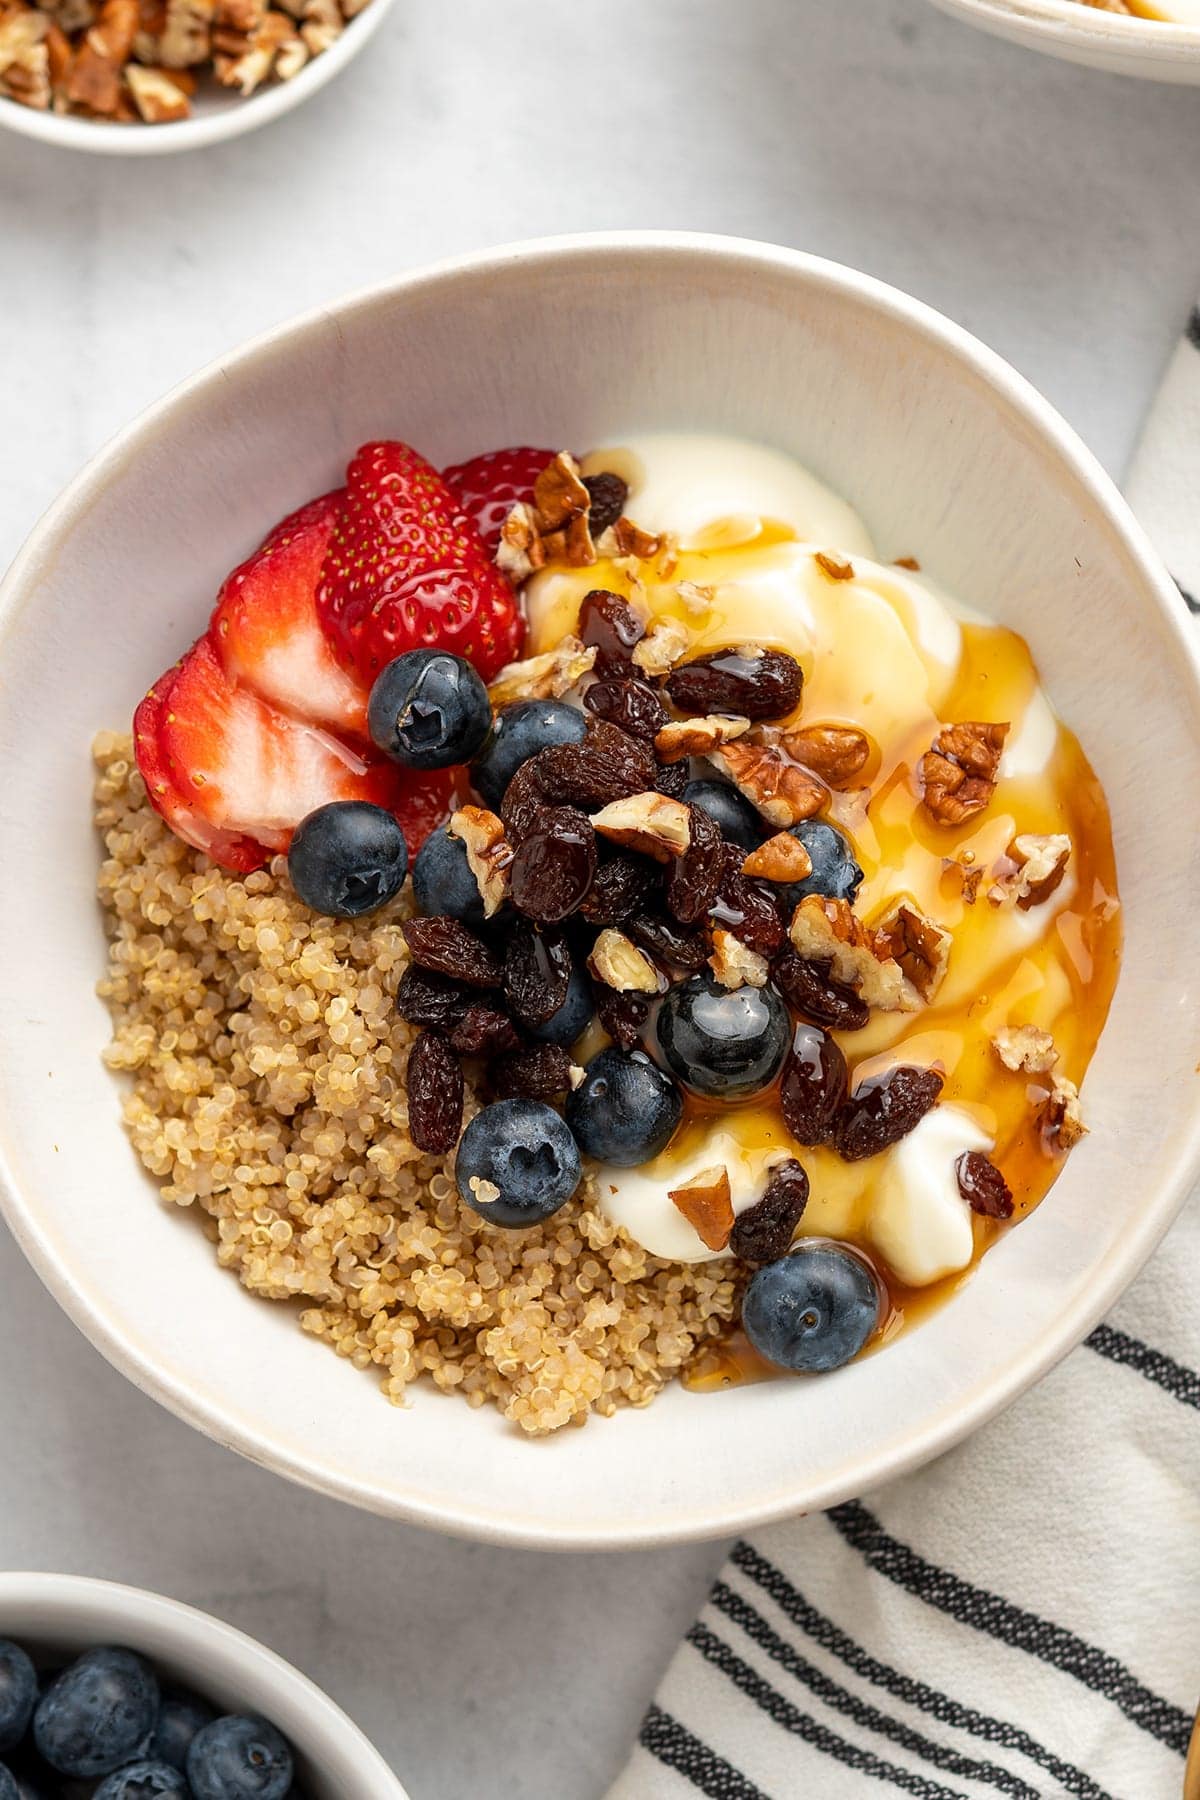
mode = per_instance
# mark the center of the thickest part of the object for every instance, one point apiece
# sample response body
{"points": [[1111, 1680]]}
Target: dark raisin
{"points": [[764, 1232], [749, 909], [695, 877], [484, 1030], [759, 684], [448, 948], [608, 765], [435, 1094], [426, 999], [982, 1186], [554, 864], [624, 885], [608, 496], [610, 625], [524, 798], [809, 990], [672, 779], [538, 1072], [623, 1016], [631, 705], [537, 973], [814, 1084], [884, 1109], [670, 943]]}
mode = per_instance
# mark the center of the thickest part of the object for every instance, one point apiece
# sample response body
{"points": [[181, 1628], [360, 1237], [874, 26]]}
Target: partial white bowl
{"points": [[950, 456], [218, 113], [56, 1615], [1116, 42]]}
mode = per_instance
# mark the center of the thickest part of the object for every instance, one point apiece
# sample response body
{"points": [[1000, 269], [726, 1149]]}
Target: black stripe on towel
{"points": [[1192, 333], [1176, 1379], [1189, 600], [840, 1700], [676, 1748], [831, 1637], [1013, 1625], [802, 1725]]}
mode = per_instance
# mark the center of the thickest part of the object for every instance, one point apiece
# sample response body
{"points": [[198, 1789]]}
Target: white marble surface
{"points": [[1051, 210]]}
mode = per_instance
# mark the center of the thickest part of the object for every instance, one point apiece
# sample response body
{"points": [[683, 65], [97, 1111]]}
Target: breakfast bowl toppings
{"points": [[761, 924]]}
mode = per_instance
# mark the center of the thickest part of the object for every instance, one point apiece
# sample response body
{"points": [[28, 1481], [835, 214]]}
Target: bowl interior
{"points": [[59, 1616], [951, 458]]}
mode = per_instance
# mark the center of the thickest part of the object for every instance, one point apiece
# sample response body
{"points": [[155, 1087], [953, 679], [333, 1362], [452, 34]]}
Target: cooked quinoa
{"points": [[267, 1062]]}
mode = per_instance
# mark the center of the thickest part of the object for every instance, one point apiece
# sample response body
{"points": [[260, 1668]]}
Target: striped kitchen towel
{"points": [[1024, 1617]]}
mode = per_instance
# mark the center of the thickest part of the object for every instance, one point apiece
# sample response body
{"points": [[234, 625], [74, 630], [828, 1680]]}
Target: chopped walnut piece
{"points": [[559, 494], [187, 35], [24, 57], [244, 59], [662, 647], [556, 523], [1061, 1116], [545, 677], [618, 963], [1025, 1048], [650, 822], [71, 15], [837, 753], [968, 878], [95, 78], [1041, 863], [695, 598], [489, 853], [158, 95], [734, 964], [706, 1203], [783, 792], [627, 539], [958, 773], [837, 568], [782, 858], [824, 930], [919, 945], [520, 550], [696, 737]]}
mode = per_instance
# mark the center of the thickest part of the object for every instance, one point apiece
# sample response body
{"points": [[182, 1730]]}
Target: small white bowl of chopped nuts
{"points": [[1158, 40], [144, 77]]}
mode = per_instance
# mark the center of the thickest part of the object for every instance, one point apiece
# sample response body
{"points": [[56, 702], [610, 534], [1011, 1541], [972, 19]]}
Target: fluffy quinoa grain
{"points": [[266, 1058]]}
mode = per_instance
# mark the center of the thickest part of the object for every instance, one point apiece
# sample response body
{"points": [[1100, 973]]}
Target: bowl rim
{"points": [[473, 1519], [247, 113], [1164, 40], [78, 1604]]}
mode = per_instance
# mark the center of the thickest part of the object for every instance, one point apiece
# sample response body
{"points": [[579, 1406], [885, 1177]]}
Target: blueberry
{"points": [[348, 858], [8, 1785], [573, 1016], [239, 1759], [519, 733], [429, 709], [738, 821], [625, 1110], [97, 1714], [724, 1042], [523, 1149], [180, 1717], [442, 879], [813, 1309], [146, 1780], [18, 1692], [834, 870]]}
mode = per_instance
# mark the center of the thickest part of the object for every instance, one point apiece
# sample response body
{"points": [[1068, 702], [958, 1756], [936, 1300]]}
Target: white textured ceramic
{"points": [[61, 1614], [951, 457], [1116, 42], [218, 113]]}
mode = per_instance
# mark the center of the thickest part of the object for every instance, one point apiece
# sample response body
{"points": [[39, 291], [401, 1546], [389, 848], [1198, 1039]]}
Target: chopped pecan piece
{"points": [[545, 677], [734, 964], [969, 878], [837, 568], [825, 930], [624, 538], [187, 34], [706, 1204], [158, 94], [618, 963], [520, 552], [696, 737], [783, 792], [919, 945], [1061, 1116], [782, 858], [1025, 1048], [1041, 863], [243, 60], [489, 853], [559, 494], [95, 79], [958, 774], [650, 822], [837, 753], [662, 647]]}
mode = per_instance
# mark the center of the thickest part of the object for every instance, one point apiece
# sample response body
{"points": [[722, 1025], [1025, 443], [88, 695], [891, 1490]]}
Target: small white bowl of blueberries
{"points": [[111, 1693]]}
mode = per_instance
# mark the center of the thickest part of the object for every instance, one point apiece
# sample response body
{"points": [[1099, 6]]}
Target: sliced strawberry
{"points": [[488, 487], [267, 634], [405, 567], [167, 799]]}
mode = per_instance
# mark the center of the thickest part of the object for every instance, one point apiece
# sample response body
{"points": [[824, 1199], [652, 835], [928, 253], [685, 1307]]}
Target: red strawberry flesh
{"points": [[489, 486]]}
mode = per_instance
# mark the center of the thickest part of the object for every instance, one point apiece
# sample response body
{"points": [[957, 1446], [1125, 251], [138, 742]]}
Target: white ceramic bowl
{"points": [[1116, 42], [951, 457], [58, 1614], [218, 114]]}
